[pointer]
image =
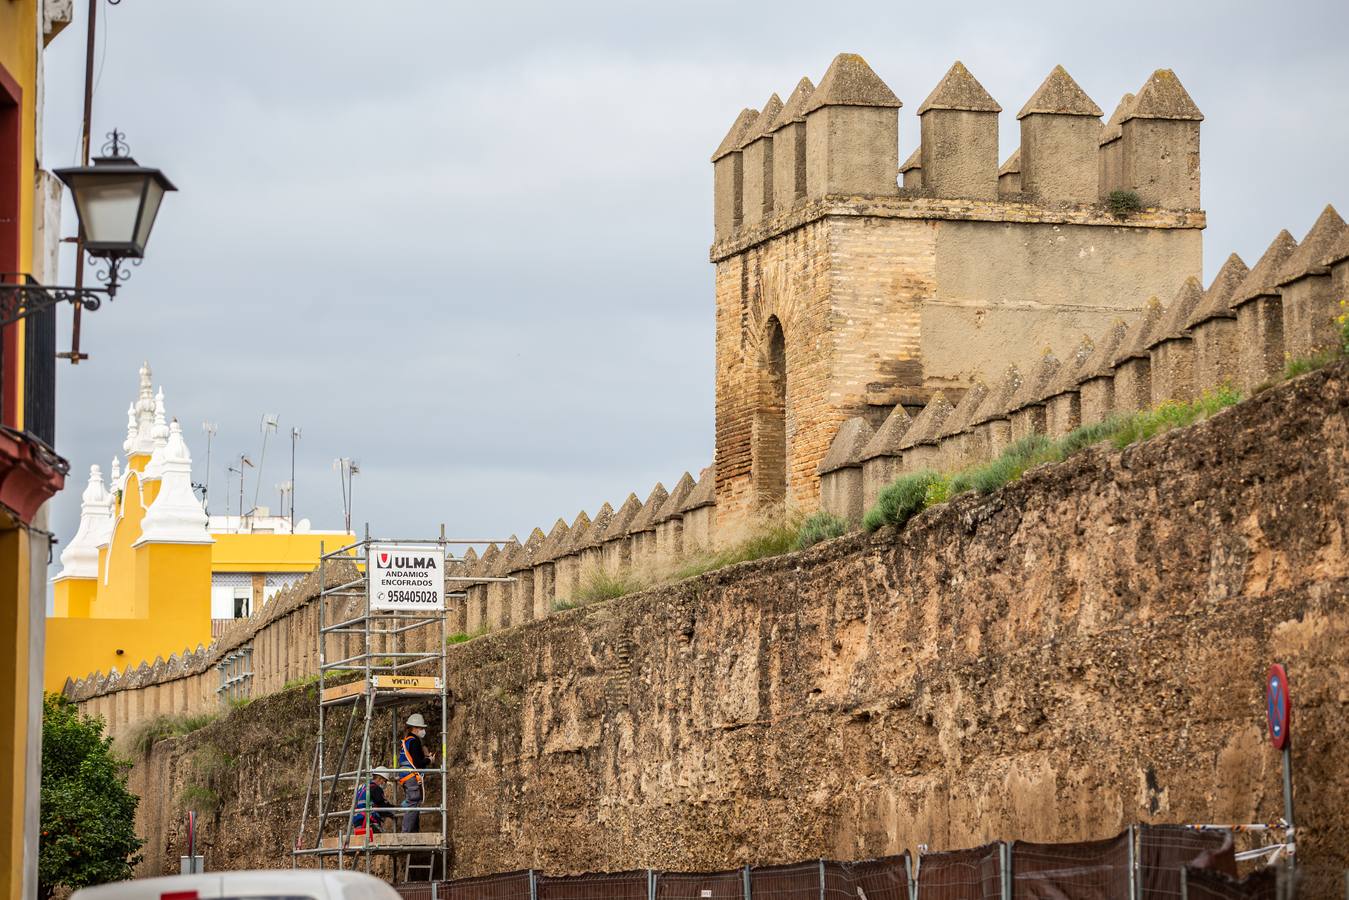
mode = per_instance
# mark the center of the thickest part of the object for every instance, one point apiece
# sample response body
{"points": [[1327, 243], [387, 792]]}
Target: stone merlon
{"points": [[849, 443]]}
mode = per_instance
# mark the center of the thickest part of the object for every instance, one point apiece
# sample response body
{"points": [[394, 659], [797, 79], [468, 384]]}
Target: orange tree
{"points": [[88, 815]]}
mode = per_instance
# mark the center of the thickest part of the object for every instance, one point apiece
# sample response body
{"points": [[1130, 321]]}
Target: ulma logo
{"points": [[386, 560]]}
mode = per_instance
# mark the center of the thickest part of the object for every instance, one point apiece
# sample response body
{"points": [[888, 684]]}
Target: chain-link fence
{"points": [[974, 874], [634, 885], [887, 878], [1146, 862], [1089, 870], [1164, 849], [1209, 884], [728, 885]]}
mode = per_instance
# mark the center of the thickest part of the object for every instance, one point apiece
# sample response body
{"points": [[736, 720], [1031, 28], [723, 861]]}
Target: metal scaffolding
{"points": [[372, 661]]}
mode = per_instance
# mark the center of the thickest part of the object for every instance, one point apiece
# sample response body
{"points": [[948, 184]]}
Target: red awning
{"points": [[30, 473]]}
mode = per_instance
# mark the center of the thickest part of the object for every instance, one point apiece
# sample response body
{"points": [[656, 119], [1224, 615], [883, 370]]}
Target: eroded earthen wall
{"points": [[1083, 649]]}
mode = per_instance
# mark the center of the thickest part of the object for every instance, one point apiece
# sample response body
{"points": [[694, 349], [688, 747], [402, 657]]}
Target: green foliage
{"points": [[820, 527], [1171, 414], [1343, 321], [144, 737], [1122, 203], [1024, 454], [564, 605], [200, 799], [1084, 436], [600, 584], [910, 494], [88, 816], [463, 637], [900, 500], [302, 681], [209, 768], [768, 539], [938, 491], [1304, 364]]}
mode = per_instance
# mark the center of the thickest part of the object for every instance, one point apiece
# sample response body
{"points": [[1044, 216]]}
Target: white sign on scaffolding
{"points": [[405, 576]]}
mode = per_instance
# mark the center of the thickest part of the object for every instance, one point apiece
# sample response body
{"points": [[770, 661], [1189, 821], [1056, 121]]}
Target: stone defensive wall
{"points": [[1082, 649], [1238, 333], [278, 644]]}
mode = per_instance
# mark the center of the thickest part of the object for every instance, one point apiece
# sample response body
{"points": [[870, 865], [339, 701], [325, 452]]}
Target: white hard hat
{"points": [[385, 773], [416, 720]]}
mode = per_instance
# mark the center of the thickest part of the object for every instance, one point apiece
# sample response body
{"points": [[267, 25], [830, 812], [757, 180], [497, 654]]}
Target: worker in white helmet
{"points": [[371, 804], [413, 756]]}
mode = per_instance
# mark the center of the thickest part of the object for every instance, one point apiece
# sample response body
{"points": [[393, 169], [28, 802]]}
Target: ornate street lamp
{"points": [[116, 201]]}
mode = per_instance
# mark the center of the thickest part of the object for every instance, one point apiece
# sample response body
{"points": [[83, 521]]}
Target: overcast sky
{"points": [[467, 243]]}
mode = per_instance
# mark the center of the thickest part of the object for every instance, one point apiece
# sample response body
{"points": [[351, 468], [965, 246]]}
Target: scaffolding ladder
{"points": [[371, 662]]}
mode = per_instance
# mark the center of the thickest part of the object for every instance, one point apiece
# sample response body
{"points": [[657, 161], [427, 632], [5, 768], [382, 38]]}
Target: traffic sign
{"points": [[1278, 706]]}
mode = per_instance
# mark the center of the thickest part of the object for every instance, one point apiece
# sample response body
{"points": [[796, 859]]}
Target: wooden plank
{"points": [[393, 839], [425, 683], [344, 690]]}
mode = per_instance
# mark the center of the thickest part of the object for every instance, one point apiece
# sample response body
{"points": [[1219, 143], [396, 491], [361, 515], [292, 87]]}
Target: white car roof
{"points": [[311, 883]]}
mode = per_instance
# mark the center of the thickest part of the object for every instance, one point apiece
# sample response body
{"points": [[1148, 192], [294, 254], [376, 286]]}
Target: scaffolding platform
{"points": [[394, 842], [388, 690]]}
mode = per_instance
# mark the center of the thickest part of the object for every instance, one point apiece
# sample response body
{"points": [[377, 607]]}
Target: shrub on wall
{"points": [[820, 527], [910, 494], [1123, 203], [900, 500]]}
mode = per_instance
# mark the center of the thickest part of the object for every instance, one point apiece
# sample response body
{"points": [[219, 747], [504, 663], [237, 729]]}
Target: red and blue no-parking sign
{"points": [[1278, 706]]}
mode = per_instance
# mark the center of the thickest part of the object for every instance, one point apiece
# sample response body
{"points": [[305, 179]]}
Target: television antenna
{"points": [[294, 437], [210, 429], [286, 489], [244, 462], [267, 427], [346, 468]]}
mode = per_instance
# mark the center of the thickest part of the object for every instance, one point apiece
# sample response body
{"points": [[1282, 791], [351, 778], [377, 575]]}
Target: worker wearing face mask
{"points": [[412, 757]]}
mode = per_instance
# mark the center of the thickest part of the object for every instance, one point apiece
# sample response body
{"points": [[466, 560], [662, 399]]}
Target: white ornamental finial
{"points": [[176, 452], [95, 493], [116, 477], [176, 516], [145, 414], [160, 432], [130, 428], [159, 435], [80, 558]]}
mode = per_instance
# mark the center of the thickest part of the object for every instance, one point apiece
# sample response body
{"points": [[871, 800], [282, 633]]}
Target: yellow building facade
{"points": [[30, 470], [149, 573]]}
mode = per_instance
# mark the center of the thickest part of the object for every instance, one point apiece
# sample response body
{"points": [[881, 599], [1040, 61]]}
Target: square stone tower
{"points": [[839, 293]]}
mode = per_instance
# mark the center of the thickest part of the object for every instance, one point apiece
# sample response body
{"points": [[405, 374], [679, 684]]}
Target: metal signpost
{"points": [[192, 863], [1279, 712]]}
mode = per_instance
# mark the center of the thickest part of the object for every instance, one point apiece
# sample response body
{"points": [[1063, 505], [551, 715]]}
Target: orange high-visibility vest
{"points": [[405, 762]]}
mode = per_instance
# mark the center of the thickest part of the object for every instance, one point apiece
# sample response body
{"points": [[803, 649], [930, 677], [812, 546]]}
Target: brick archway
{"points": [[768, 443]]}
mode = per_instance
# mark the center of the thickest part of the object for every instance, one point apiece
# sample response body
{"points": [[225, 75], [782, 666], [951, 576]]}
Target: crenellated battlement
{"points": [[773, 160], [1236, 333]]}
